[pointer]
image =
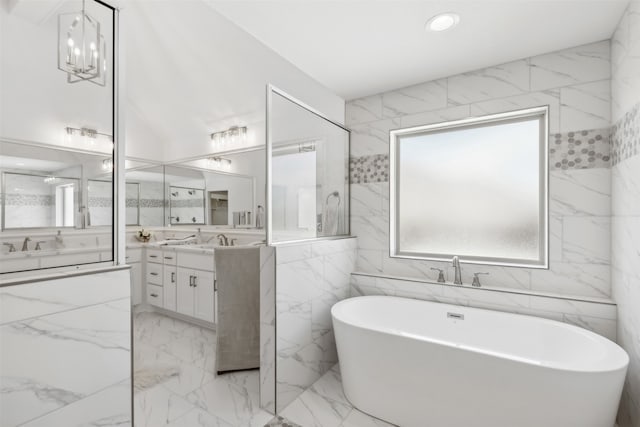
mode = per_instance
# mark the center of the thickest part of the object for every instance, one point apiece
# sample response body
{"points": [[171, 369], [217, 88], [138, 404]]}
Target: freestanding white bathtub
{"points": [[425, 364]]}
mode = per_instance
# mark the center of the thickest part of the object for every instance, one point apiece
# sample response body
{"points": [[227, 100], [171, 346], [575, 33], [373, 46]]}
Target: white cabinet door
{"points": [[184, 292], [204, 295], [170, 280], [136, 283]]}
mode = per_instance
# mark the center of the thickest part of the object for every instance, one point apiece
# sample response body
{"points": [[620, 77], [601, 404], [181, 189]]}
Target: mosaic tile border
{"points": [[366, 169], [625, 136], [585, 149]]}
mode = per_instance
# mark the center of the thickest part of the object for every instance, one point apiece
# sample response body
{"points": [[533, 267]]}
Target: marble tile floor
{"points": [[174, 380], [325, 405]]}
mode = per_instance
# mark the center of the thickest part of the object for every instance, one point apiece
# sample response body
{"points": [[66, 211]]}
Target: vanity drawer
{"points": [[154, 274], [133, 255], [169, 257], [155, 296], [154, 255]]}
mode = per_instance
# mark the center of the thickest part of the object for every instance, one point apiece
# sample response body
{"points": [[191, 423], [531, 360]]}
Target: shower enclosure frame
{"points": [[271, 89]]}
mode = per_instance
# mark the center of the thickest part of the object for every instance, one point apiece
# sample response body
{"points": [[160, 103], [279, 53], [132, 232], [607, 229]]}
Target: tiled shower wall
{"points": [[65, 358], [310, 279], [625, 230], [575, 83]]}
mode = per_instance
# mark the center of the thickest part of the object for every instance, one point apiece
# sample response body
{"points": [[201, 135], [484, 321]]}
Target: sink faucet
{"points": [[12, 247], [25, 245], [457, 280], [223, 240]]}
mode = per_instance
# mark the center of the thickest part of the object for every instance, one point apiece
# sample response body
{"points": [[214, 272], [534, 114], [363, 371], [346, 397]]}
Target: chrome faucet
{"points": [[25, 245], [457, 280], [223, 240], [12, 247]]}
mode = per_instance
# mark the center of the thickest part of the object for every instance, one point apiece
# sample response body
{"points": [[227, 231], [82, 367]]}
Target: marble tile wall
{"points": [[65, 356], [310, 278], [268, 329], [598, 315], [625, 224], [575, 84]]}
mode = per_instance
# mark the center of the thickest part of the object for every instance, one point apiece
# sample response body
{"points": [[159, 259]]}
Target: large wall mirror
{"points": [[492, 172]]}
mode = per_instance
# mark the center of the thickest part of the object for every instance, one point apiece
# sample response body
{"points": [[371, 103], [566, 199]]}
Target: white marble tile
{"points": [[363, 110], [499, 277], [366, 199], [188, 349], [372, 232], [52, 296], [412, 268], [625, 197], [294, 377], [369, 261], [494, 82], [197, 417], [586, 280], [415, 99], [409, 289], [360, 419], [372, 138], [188, 379], [528, 100], [580, 192], [586, 240], [293, 328], [592, 309], [604, 327], [476, 297], [108, 407], [299, 281], [159, 406], [292, 252], [555, 239], [79, 362], [585, 106], [437, 116], [313, 410], [581, 64]]}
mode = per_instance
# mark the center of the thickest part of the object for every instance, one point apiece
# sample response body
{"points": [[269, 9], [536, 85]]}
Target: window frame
{"points": [[542, 113]]}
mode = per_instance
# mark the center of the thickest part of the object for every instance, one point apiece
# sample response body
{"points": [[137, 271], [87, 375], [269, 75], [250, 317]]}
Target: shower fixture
{"points": [[82, 49]]}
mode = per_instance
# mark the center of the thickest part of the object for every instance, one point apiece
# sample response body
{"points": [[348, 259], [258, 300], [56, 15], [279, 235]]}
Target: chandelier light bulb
{"points": [[70, 42]]}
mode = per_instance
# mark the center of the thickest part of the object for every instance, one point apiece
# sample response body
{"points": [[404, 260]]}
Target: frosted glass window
{"points": [[475, 188]]}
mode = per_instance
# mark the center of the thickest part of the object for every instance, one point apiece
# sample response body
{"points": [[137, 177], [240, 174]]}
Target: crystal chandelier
{"points": [[82, 50]]}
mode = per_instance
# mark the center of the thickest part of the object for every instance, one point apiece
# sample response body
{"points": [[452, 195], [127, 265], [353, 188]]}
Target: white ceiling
{"points": [[358, 48]]}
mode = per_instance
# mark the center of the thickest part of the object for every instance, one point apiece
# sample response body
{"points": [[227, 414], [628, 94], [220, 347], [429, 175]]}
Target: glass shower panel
{"points": [[309, 173]]}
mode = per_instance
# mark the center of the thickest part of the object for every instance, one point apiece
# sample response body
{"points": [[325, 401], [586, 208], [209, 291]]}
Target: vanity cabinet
{"points": [[133, 257], [170, 281], [195, 293], [154, 276]]}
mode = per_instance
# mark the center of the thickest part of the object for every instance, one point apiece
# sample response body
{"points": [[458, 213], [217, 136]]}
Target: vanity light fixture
{"points": [[230, 136], [107, 165], [82, 50], [443, 22], [51, 180], [220, 163], [87, 132]]}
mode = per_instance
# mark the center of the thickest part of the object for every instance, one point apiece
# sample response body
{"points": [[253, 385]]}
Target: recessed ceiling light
{"points": [[443, 21]]}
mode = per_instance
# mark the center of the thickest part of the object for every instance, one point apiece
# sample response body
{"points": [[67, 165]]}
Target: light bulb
{"points": [[76, 51], [70, 42], [443, 21], [92, 46]]}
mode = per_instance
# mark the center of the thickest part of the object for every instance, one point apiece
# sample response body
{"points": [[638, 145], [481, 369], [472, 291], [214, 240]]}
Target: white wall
{"points": [[190, 72]]}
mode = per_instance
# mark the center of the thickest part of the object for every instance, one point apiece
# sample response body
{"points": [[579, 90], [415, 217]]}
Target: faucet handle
{"points": [[233, 242], [476, 279], [440, 274], [38, 245], [12, 247]]}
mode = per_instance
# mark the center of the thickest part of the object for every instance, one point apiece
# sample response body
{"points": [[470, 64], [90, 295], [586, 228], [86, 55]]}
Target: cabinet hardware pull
{"points": [[153, 274], [215, 285], [190, 280], [153, 256], [168, 257], [195, 284], [173, 277], [154, 295]]}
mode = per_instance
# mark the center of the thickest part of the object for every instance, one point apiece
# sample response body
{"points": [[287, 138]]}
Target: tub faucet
{"points": [[457, 280], [25, 244]]}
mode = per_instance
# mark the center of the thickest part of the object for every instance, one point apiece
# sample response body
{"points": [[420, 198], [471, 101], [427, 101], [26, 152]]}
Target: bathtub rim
{"points": [[612, 347]]}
